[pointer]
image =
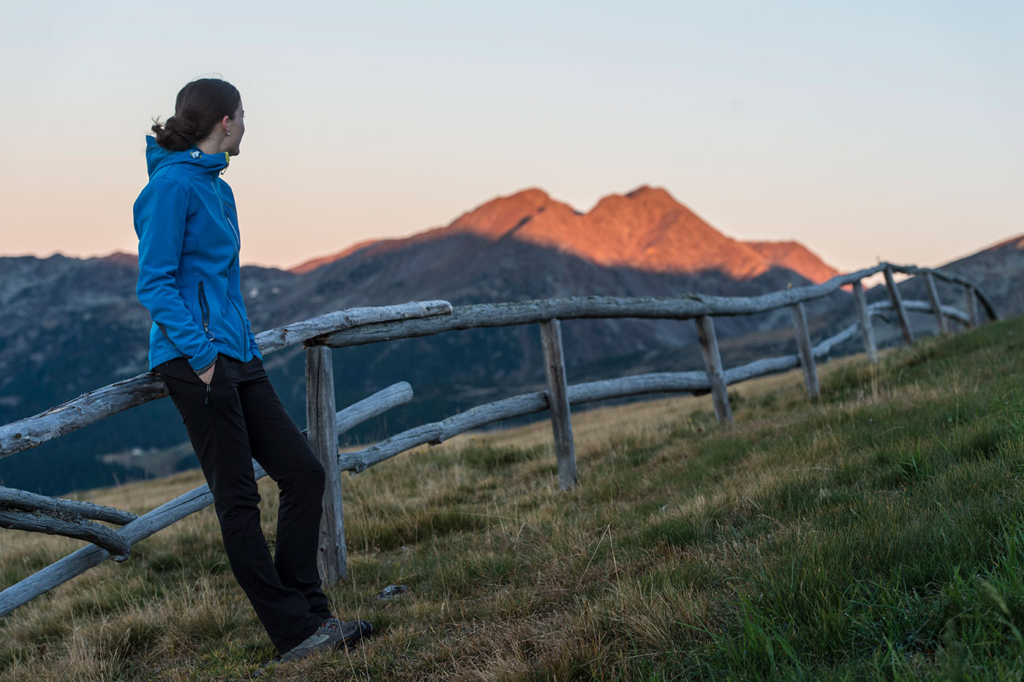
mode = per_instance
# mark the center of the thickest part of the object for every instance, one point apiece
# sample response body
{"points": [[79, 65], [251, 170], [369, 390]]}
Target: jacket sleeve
{"points": [[253, 347], [160, 213]]}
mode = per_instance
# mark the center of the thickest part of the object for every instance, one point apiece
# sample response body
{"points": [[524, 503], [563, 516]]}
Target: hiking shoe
{"points": [[327, 636], [352, 630]]}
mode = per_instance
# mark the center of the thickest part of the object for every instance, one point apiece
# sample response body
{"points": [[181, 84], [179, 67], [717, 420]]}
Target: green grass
{"points": [[875, 534]]}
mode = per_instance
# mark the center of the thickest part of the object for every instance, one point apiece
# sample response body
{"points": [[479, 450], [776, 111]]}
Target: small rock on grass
{"points": [[392, 591]]}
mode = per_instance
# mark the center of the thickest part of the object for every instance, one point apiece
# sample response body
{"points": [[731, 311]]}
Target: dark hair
{"points": [[199, 107]]}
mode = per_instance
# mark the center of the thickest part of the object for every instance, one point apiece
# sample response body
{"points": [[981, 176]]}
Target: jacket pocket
{"points": [[204, 309], [178, 370]]}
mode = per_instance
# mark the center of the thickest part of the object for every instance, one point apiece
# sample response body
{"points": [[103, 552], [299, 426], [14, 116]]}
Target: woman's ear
{"points": [[224, 124]]}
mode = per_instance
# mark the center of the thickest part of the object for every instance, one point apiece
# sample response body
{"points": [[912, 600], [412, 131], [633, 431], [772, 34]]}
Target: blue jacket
{"points": [[188, 260]]}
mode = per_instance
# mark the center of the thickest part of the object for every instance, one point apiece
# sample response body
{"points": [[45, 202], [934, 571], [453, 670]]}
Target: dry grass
{"points": [[859, 537]]}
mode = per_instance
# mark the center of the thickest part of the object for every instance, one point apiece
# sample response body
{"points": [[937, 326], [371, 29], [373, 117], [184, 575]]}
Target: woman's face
{"points": [[236, 126]]}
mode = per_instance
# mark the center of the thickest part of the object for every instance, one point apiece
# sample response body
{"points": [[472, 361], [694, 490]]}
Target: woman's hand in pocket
{"points": [[207, 376]]}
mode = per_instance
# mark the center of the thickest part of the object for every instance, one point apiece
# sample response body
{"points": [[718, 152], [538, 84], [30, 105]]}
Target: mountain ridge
{"points": [[645, 228]]}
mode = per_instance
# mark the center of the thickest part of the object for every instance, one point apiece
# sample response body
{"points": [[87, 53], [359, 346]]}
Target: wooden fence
{"points": [[26, 511]]}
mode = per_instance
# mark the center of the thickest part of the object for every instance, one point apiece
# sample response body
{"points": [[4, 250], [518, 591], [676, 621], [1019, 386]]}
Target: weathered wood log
{"points": [[897, 304], [684, 307], [864, 318], [990, 308], [713, 362], [171, 512], [532, 403], [72, 415], [950, 312], [360, 460], [119, 396], [467, 420], [805, 351], [972, 306], [933, 297], [308, 330], [21, 499], [322, 435], [765, 367], [655, 382], [67, 525], [558, 402], [760, 368], [518, 406], [825, 347], [880, 309]]}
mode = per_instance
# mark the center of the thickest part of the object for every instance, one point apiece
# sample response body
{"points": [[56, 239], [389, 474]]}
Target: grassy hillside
{"points": [[875, 534]]}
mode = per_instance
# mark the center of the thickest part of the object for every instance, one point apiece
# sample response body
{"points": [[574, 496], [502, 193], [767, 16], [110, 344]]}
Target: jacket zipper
{"points": [[204, 308], [233, 228], [244, 341], [238, 237]]}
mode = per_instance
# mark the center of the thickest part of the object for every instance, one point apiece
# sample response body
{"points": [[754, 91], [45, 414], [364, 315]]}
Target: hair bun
{"points": [[183, 127]]}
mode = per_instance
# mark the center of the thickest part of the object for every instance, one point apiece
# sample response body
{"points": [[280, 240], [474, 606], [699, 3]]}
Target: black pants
{"points": [[243, 419]]}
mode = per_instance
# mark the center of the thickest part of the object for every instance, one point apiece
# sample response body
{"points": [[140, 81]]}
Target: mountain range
{"points": [[646, 229], [75, 324]]}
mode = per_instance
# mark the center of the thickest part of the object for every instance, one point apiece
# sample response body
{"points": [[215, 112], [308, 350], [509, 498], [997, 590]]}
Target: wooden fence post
{"points": [[803, 342], [933, 296], [866, 330], [322, 434], [897, 303], [972, 306], [713, 363], [558, 402]]}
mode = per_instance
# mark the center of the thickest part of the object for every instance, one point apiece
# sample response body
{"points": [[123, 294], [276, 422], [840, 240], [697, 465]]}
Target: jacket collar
{"points": [[158, 157]]}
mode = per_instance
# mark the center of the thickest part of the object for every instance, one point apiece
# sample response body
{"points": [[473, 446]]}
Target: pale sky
{"points": [[862, 129]]}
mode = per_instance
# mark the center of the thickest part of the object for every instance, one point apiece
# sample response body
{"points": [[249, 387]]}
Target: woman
{"points": [[202, 345]]}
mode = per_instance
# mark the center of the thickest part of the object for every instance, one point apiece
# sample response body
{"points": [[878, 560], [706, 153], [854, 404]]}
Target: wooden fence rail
{"points": [[93, 406], [25, 511], [655, 382]]}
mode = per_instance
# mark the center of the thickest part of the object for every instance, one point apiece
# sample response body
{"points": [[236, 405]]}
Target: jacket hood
{"points": [[157, 157]]}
